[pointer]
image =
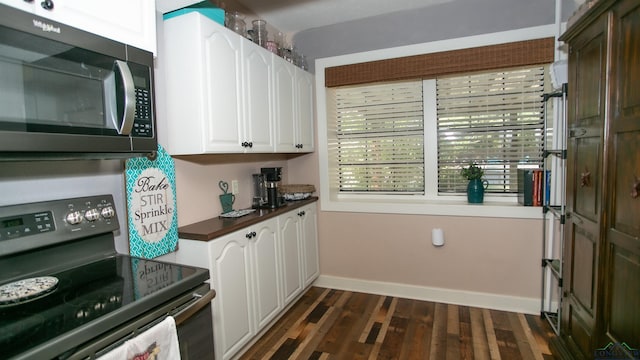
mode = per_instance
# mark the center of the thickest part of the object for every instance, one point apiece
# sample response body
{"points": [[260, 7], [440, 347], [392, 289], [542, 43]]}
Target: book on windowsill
{"points": [[531, 186]]}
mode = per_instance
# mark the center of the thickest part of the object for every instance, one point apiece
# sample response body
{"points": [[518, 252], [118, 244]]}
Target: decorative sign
{"points": [[151, 201]]}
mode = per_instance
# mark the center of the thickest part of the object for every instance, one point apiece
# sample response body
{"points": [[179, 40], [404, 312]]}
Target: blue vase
{"points": [[475, 191]]}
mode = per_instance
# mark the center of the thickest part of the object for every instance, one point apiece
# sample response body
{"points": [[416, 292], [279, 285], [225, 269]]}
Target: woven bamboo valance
{"points": [[521, 53]]}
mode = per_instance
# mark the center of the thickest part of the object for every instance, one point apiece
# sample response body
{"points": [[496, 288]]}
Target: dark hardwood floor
{"points": [[335, 324]]}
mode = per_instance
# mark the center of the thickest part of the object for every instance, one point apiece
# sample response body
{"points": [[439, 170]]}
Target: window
{"points": [[494, 118], [378, 138], [423, 186]]}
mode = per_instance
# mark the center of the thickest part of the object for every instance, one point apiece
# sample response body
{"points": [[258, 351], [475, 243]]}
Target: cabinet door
{"points": [[129, 22], [622, 271], [305, 110], [309, 235], [222, 103], [291, 249], [258, 97], [286, 127], [21, 4], [587, 111], [232, 310], [202, 68], [265, 261]]}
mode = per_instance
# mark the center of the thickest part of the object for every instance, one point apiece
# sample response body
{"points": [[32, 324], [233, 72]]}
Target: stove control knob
{"points": [[74, 218], [108, 212], [92, 214]]}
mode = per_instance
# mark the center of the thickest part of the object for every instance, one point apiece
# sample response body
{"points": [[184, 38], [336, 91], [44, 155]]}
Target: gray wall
{"points": [[32, 181], [454, 19]]}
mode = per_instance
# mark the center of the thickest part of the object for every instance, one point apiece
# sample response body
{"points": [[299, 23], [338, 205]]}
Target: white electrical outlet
{"points": [[234, 186]]}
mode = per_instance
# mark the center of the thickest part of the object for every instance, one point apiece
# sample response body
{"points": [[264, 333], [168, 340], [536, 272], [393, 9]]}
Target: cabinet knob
{"points": [[47, 4], [585, 178], [250, 144], [249, 236], [301, 213]]}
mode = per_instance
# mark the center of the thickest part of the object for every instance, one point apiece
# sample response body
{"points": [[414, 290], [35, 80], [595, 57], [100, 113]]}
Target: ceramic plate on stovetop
{"points": [[25, 290]]}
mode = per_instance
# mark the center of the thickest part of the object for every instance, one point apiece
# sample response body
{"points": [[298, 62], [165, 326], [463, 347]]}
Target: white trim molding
{"points": [[448, 296]]}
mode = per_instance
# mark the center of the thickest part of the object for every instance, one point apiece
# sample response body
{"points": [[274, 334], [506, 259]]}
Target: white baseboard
{"points": [[449, 296]]}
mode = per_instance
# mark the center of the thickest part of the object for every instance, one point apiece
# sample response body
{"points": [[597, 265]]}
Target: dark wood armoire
{"points": [[600, 312]]}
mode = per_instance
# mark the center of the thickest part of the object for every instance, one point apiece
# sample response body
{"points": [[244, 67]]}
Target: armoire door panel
{"points": [[626, 177], [628, 59], [623, 310], [580, 333], [589, 83], [586, 177], [583, 280]]}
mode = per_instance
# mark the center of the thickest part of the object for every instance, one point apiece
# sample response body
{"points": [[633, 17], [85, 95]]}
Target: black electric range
{"points": [[62, 284]]}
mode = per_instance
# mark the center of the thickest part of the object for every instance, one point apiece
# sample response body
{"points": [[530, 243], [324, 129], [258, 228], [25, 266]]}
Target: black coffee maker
{"points": [[270, 178]]}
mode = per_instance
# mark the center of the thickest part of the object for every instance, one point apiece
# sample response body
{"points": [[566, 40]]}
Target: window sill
{"points": [[494, 209]]}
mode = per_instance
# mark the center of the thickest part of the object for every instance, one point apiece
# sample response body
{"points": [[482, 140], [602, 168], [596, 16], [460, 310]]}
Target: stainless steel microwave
{"points": [[69, 93]]}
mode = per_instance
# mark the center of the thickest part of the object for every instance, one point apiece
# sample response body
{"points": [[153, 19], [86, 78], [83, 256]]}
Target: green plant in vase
{"points": [[476, 186]]}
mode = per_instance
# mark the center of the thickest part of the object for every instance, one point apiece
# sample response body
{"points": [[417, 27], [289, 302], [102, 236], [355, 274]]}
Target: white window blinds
{"points": [[492, 118], [377, 139]]}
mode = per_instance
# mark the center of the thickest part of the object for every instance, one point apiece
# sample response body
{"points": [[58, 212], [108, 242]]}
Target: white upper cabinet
{"points": [[165, 6], [225, 94], [304, 110], [294, 107], [285, 86], [203, 78], [258, 98], [125, 21]]}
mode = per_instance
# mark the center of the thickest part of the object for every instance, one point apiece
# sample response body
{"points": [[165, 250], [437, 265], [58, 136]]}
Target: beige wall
{"points": [[486, 255], [197, 180]]}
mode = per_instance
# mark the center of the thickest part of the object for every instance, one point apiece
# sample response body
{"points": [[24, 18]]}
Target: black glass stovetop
{"points": [[90, 300]]}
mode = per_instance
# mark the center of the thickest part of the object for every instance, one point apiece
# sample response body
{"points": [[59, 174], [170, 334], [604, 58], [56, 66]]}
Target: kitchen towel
{"points": [[158, 343], [119, 353]]}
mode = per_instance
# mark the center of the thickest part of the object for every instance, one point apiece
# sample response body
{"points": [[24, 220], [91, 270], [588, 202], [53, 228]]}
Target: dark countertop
{"points": [[210, 229]]}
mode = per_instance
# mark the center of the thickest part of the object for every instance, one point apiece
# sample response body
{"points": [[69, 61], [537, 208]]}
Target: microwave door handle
{"points": [[125, 126]]}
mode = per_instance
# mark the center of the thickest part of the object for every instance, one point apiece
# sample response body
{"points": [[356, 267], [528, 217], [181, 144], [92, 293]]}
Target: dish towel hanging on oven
{"points": [[158, 343], [119, 353]]}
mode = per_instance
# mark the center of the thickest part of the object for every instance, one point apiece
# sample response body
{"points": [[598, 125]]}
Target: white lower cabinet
{"points": [[288, 225], [233, 316], [309, 239], [298, 229], [256, 272], [266, 272]]}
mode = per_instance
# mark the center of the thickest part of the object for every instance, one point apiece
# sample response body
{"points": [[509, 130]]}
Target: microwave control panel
{"points": [[143, 124]]}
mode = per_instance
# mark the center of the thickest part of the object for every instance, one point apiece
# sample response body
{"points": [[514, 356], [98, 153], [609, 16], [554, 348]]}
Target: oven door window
{"points": [[48, 86]]}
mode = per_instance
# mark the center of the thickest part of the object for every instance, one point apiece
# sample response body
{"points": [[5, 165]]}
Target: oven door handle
{"points": [[184, 314]]}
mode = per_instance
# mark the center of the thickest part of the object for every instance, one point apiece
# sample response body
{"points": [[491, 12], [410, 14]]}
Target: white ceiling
{"points": [[291, 16]]}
